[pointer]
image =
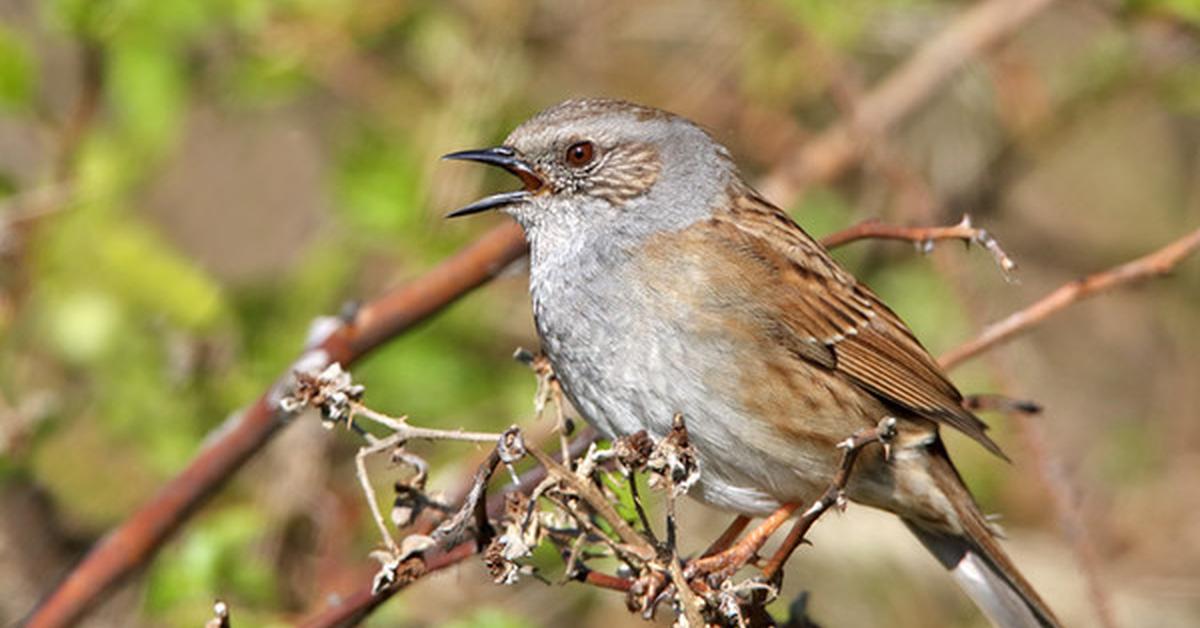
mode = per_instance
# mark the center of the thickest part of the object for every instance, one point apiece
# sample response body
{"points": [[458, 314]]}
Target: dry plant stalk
{"points": [[574, 509]]}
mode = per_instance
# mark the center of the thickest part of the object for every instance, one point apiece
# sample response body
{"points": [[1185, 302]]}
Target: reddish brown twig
{"points": [[833, 495], [139, 536], [1155, 264], [923, 237], [1048, 465]]}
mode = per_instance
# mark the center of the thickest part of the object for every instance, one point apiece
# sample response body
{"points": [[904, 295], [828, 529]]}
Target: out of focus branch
{"points": [[900, 94], [133, 542], [79, 120], [1149, 266]]}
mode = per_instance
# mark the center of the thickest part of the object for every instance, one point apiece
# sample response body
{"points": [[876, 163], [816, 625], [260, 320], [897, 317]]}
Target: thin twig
{"points": [[401, 429], [138, 538], [80, 120], [924, 237], [636, 496], [634, 542], [687, 597], [833, 495], [360, 470], [604, 581], [1155, 264]]}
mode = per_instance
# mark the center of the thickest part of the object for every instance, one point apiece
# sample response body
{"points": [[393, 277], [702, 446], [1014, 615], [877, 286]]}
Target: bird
{"points": [[663, 284]]}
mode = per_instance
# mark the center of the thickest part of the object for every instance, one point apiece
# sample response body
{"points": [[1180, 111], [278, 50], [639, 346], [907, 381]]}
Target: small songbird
{"points": [[663, 284]]}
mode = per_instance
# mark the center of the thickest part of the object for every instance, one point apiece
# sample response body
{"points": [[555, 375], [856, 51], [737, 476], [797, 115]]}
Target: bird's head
{"points": [[601, 159]]}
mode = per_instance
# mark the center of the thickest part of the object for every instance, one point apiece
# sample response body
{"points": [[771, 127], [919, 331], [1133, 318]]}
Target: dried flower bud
{"points": [[332, 391], [673, 461], [634, 450], [502, 570]]}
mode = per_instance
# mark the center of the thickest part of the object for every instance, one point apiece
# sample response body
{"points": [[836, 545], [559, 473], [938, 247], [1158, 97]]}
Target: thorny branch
{"points": [[901, 93], [342, 341], [924, 237], [340, 402], [883, 433], [571, 508]]}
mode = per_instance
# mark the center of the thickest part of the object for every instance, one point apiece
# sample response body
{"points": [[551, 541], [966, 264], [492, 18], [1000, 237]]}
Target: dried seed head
{"points": [[673, 461], [331, 391], [634, 451], [502, 569]]}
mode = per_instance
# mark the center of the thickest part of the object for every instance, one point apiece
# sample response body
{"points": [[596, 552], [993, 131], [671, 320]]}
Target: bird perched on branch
{"points": [[662, 283]]}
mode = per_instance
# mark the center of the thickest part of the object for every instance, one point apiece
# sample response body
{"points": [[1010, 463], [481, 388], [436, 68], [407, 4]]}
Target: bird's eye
{"points": [[580, 154]]}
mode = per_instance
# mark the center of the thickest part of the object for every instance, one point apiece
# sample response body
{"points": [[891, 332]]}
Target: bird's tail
{"points": [[977, 562]]}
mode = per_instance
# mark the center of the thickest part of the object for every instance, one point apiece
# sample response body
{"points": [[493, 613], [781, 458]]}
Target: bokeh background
{"points": [[185, 185]]}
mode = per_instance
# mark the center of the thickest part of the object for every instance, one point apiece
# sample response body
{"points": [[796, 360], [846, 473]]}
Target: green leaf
{"points": [[82, 326], [147, 272], [147, 88], [381, 184], [624, 505], [17, 75], [217, 558]]}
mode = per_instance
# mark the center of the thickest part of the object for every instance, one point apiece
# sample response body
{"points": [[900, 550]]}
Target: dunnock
{"points": [[662, 283]]}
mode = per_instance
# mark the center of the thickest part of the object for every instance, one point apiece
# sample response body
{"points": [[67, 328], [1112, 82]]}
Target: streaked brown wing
{"points": [[834, 321]]}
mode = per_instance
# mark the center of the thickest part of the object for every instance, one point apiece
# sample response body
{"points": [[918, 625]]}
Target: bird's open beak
{"points": [[506, 158]]}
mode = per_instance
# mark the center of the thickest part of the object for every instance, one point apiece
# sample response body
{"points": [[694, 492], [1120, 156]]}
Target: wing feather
{"points": [[826, 306]]}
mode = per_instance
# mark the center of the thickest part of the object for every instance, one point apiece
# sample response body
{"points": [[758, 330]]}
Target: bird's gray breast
{"points": [[625, 347], [610, 355]]}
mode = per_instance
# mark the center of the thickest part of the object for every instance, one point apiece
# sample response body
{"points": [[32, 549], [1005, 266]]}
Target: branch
{"points": [[923, 237], [634, 543], [355, 606], [1153, 265], [138, 538], [900, 94], [882, 433], [79, 121]]}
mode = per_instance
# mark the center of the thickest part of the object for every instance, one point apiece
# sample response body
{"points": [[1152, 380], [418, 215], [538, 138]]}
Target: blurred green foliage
{"points": [[17, 71]]}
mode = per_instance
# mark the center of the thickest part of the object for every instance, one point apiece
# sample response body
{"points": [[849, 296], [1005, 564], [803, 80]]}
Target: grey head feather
{"points": [[653, 171]]}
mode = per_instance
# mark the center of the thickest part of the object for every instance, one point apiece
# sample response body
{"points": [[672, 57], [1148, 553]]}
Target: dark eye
{"points": [[580, 154]]}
